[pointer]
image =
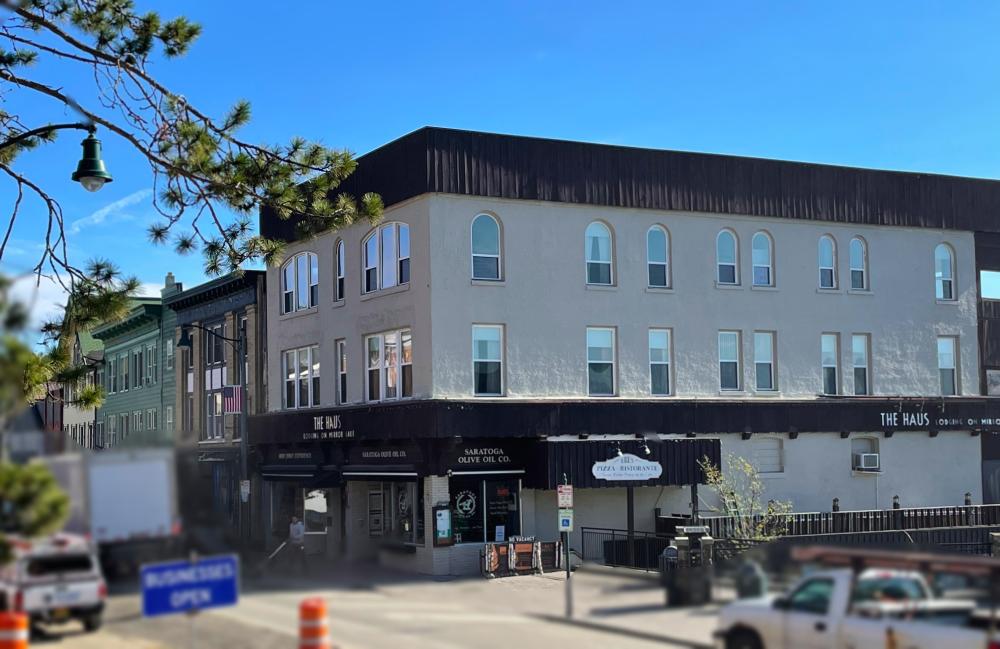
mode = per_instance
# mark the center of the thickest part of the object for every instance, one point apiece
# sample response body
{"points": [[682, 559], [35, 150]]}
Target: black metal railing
{"points": [[873, 520], [612, 547]]}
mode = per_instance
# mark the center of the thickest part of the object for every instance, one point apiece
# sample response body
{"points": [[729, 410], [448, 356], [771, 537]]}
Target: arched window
{"points": [[658, 256], [762, 252], [827, 262], [598, 253], [944, 272], [300, 282], [859, 264], [485, 248], [341, 271], [386, 257], [726, 258]]}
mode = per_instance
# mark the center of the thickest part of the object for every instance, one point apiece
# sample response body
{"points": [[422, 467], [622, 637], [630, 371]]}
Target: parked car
{"points": [[55, 579], [829, 609]]}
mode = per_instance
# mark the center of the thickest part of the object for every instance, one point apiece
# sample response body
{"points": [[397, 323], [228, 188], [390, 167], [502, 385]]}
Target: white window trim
{"points": [[310, 282], [669, 362], [611, 256], [398, 258], [953, 368], [736, 259], [770, 260], [312, 351], [614, 361], [951, 274], [867, 366], [340, 273], [864, 263], [836, 366], [340, 347], [771, 362], [821, 267], [738, 361], [473, 254], [500, 360], [382, 375], [666, 255]]}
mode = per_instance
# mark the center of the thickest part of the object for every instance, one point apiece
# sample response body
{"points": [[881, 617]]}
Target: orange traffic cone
{"points": [[313, 631], [13, 630]]}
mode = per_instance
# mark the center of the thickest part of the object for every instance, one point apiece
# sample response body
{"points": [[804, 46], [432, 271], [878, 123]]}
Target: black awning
{"points": [[678, 461], [378, 471], [288, 471]]}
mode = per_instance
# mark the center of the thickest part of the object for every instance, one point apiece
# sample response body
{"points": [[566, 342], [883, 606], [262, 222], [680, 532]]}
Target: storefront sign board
{"points": [[627, 467]]}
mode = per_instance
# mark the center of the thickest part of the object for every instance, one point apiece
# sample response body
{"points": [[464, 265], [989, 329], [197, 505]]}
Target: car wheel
{"points": [[743, 639], [92, 622]]}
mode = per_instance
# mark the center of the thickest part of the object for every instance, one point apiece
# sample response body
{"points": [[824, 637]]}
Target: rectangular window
{"points": [[138, 368], [404, 254], [168, 362], [487, 360], [829, 353], [389, 365], [302, 282], [729, 360], [152, 417], [300, 368], [288, 289], [341, 270], [659, 362], [600, 361], [123, 362], [341, 371], [168, 418], [763, 360], [484, 510], [371, 263], [389, 256], [948, 364], [151, 364], [768, 454], [860, 344]]}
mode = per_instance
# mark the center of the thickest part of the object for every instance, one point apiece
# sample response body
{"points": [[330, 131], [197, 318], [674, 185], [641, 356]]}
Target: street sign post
{"points": [[564, 493], [565, 520], [190, 586]]}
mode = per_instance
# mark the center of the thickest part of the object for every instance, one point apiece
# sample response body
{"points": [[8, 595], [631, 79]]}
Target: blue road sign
{"points": [[182, 586]]}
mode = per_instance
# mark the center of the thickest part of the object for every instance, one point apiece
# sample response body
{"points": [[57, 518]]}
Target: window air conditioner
{"points": [[866, 462]]}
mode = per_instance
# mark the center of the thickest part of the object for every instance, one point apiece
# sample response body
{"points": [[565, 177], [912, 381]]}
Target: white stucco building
{"points": [[540, 306]]}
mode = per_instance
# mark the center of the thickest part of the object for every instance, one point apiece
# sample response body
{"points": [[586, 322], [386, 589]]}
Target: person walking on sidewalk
{"points": [[297, 541]]}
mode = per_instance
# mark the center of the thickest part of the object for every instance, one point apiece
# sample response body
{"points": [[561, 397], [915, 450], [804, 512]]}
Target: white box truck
{"points": [[125, 501]]}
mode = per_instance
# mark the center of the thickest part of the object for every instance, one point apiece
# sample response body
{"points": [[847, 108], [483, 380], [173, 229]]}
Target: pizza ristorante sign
{"points": [[627, 467]]}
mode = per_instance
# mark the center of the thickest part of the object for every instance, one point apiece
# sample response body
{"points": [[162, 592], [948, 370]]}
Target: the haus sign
{"points": [[327, 427], [921, 420], [627, 467]]}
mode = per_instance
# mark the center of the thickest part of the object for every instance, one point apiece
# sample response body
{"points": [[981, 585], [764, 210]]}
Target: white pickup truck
{"points": [[825, 610]]}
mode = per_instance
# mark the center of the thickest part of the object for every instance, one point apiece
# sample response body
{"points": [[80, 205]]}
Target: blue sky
{"points": [[900, 85]]}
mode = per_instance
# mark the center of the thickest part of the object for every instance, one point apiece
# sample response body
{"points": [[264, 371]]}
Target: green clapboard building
{"points": [[138, 410]]}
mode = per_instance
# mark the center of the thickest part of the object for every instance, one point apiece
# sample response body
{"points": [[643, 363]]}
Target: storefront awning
{"points": [[288, 471], [362, 471]]}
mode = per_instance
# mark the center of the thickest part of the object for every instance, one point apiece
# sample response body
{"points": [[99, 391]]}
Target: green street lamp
{"points": [[91, 172]]}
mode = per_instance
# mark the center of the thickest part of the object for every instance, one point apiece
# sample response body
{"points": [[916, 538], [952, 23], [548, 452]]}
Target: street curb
{"points": [[607, 628]]}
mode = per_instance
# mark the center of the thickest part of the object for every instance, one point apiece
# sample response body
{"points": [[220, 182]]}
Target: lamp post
{"points": [[90, 171], [240, 346]]}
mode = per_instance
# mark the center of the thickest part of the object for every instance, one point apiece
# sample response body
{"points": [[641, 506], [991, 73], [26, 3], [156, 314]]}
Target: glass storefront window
{"points": [[314, 510], [484, 510], [396, 512]]}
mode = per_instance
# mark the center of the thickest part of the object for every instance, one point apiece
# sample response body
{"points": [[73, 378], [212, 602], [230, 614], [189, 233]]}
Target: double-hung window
{"points": [[152, 362], [485, 248], [827, 262], [390, 365], [763, 360], [300, 368], [657, 257], [600, 361], [829, 354], [762, 253], [138, 368], [947, 349], [659, 362], [860, 345], [123, 363], [944, 272], [386, 257], [727, 258], [300, 282], [487, 360], [599, 250], [168, 361], [341, 272], [729, 360], [859, 264], [342, 371]]}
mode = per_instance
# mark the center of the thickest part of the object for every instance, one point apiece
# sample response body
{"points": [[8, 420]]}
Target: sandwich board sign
{"points": [[189, 586]]}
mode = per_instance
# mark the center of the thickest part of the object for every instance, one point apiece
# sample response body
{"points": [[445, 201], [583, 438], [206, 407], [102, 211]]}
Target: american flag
{"points": [[232, 399]]}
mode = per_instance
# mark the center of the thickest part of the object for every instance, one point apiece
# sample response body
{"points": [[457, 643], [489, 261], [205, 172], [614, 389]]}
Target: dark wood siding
{"points": [[504, 166]]}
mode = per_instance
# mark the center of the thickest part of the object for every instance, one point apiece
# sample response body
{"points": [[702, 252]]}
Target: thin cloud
{"points": [[110, 210]]}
